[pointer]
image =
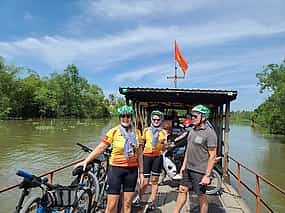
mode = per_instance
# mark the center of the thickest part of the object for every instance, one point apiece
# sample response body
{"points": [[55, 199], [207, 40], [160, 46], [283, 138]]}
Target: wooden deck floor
{"points": [[227, 201]]}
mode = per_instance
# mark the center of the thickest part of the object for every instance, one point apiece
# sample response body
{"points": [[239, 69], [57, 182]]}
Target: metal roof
{"points": [[170, 97]]}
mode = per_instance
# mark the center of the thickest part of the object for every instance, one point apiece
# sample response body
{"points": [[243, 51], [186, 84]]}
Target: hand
{"points": [[82, 163], [181, 172], [217, 159], [205, 180]]}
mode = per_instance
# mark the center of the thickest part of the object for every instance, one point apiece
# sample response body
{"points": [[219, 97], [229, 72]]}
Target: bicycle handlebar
{"points": [[24, 174], [84, 148]]}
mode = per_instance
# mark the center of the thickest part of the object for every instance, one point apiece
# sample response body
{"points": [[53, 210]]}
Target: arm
{"points": [[184, 134], [96, 152], [211, 161], [140, 159]]}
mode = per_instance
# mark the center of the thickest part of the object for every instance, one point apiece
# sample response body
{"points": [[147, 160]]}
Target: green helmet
{"points": [[202, 109], [125, 110], [156, 112]]}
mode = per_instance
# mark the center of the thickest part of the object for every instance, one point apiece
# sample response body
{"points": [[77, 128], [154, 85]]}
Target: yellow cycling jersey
{"points": [[147, 140], [117, 140]]}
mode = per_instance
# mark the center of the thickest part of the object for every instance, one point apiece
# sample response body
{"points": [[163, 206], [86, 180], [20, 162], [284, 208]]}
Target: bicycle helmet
{"points": [[125, 110], [202, 109], [187, 122], [156, 112]]}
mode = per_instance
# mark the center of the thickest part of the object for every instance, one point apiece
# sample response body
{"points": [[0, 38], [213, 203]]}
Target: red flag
{"points": [[180, 58]]}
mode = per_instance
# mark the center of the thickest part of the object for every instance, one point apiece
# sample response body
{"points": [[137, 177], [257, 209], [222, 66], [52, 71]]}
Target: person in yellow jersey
{"points": [[125, 160], [154, 139]]}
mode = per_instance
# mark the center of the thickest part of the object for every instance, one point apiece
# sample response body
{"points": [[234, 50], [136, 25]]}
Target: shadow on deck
{"points": [[227, 201], [167, 196]]}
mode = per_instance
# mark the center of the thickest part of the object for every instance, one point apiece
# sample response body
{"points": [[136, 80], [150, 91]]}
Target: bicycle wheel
{"points": [[32, 205], [216, 183], [90, 180], [84, 202]]}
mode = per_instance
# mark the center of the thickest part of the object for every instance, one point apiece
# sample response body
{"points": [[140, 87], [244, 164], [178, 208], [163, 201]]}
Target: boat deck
{"points": [[227, 201]]}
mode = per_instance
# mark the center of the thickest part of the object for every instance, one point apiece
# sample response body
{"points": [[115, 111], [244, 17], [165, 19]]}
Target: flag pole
{"points": [[175, 77]]}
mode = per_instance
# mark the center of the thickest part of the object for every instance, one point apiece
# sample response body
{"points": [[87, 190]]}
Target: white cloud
{"points": [[143, 41], [142, 8], [141, 73]]}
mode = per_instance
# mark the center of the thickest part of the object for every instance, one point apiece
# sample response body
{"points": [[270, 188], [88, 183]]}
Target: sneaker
{"points": [[136, 202], [177, 177], [151, 207]]}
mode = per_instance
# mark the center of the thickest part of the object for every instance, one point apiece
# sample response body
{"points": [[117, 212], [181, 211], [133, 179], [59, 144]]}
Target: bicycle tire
{"points": [[84, 202], [91, 182], [216, 183], [31, 205]]}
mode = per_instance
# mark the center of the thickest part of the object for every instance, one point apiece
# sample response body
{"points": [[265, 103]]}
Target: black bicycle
{"points": [[70, 199], [97, 173]]}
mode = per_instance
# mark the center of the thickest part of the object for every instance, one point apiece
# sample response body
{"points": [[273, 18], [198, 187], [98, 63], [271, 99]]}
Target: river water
{"points": [[39, 146]]}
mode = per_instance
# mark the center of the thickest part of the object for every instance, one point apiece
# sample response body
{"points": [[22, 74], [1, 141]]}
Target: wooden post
{"points": [[220, 137], [226, 143], [136, 113]]}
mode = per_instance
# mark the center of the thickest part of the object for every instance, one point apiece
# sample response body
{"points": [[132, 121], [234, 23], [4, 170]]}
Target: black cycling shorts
{"points": [[121, 176], [191, 179], [152, 166]]}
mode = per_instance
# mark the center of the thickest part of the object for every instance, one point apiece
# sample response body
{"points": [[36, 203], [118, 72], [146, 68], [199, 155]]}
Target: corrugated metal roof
{"points": [[172, 96]]}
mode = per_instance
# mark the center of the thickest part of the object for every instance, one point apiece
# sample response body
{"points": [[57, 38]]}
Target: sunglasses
{"points": [[125, 116], [156, 119], [194, 116]]}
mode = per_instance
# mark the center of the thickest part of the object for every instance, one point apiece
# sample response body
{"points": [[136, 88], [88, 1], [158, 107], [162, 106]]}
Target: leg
{"points": [[181, 198], [155, 171], [184, 186], [112, 203], [127, 203], [147, 163], [154, 188], [114, 180], [203, 203]]}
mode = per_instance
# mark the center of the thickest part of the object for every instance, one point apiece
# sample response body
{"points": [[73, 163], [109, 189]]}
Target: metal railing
{"points": [[256, 192], [49, 173]]}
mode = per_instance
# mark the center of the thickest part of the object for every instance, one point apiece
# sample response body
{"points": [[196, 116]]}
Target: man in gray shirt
{"points": [[199, 159]]}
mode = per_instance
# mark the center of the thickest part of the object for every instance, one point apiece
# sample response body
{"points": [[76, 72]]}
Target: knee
{"points": [[127, 204], [154, 182]]}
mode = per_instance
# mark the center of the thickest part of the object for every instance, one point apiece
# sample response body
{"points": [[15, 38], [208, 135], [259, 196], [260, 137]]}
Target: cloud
{"points": [[57, 51], [144, 8], [138, 74]]}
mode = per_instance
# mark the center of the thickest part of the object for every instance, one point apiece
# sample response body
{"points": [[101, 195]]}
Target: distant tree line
{"points": [[66, 95], [241, 116]]}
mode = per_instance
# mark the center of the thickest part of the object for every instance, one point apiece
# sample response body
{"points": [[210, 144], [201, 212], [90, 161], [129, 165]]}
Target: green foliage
{"points": [[61, 95], [270, 115], [241, 117]]}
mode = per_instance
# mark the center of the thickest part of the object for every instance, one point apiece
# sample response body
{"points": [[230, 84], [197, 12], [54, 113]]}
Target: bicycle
{"points": [[98, 171], [70, 199]]}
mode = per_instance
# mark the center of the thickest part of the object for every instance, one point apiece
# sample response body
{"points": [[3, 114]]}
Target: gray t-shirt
{"points": [[198, 142]]}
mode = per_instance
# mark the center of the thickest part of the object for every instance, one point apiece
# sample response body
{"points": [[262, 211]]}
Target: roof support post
{"points": [[226, 143]]}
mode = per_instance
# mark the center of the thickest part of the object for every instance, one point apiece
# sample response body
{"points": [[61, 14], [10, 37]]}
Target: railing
{"points": [[50, 173], [255, 192]]}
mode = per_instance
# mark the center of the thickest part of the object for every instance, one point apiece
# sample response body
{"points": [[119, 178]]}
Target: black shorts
{"points": [[191, 179], [121, 176], [152, 166]]}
